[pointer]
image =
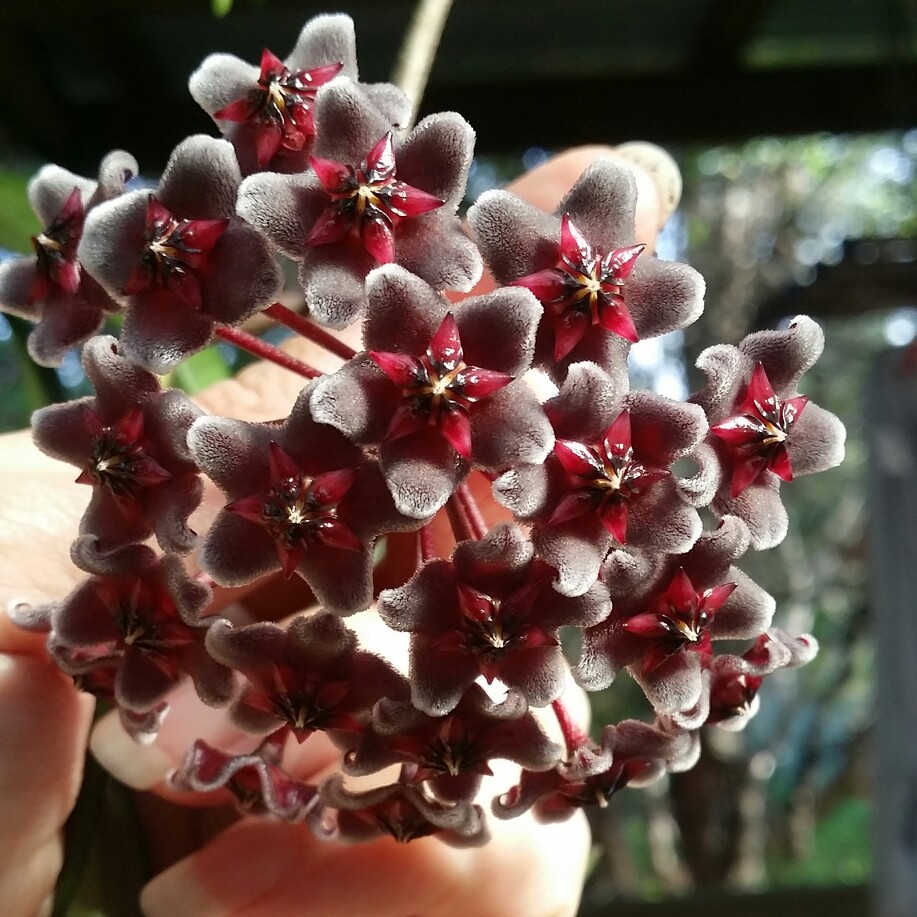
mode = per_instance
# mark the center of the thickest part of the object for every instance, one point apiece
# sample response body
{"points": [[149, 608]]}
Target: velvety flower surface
{"points": [[140, 615], [761, 429], [433, 392], [268, 111], [306, 677], [404, 812], [730, 694], [129, 442], [257, 781], [599, 289], [179, 258], [629, 754], [490, 611], [303, 499], [609, 479], [369, 198], [51, 288], [665, 615], [450, 753]]}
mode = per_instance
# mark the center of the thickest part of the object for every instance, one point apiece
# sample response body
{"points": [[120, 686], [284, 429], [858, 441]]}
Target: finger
{"points": [[256, 868], [42, 505], [43, 726]]}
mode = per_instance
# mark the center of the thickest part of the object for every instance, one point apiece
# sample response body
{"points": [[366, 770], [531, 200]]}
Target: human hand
{"points": [[253, 867]]}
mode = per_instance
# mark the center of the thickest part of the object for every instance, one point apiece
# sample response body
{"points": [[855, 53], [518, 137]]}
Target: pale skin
{"points": [[253, 867]]}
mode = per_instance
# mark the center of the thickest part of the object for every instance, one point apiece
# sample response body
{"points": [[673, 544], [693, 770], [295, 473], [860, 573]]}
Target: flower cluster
{"points": [[607, 545]]}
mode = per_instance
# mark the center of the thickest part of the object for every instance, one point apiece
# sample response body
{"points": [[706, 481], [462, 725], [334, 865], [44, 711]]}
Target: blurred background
{"points": [[795, 126]]}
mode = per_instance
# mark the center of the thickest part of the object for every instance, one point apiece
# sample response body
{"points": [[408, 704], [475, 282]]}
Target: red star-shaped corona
{"points": [[586, 288], [174, 252], [298, 510], [55, 251], [492, 630], [681, 620], [604, 477], [756, 435], [281, 107], [439, 388], [367, 201], [119, 460]]}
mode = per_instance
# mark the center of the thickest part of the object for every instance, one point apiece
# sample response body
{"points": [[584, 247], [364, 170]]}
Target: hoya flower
{"points": [[757, 433], [129, 442], [268, 111], [609, 480], [599, 288], [450, 753], [140, 615], [302, 499], [367, 202], [51, 288], [490, 611], [731, 684], [629, 754], [308, 676], [403, 812], [667, 611], [179, 258], [99, 681], [371, 197], [761, 429], [256, 780], [434, 392]]}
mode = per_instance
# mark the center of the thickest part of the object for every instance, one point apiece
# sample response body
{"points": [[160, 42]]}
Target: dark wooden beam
{"points": [[874, 275], [725, 31], [684, 107]]}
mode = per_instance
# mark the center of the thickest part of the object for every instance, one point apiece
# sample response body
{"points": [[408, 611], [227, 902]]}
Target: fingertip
{"points": [[137, 766], [235, 869]]}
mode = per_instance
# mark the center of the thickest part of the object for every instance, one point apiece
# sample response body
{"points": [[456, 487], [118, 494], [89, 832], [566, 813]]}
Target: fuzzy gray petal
{"points": [[602, 204]]}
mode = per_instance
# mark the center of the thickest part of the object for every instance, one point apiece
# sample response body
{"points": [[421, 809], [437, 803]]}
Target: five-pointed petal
{"points": [[757, 433], [299, 510], [174, 252], [281, 107], [586, 288], [439, 388], [368, 201], [603, 477], [682, 620]]}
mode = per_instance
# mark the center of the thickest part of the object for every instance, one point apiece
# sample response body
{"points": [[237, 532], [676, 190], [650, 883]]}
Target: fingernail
{"points": [[236, 868], [177, 892], [138, 766], [661, 168]]}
